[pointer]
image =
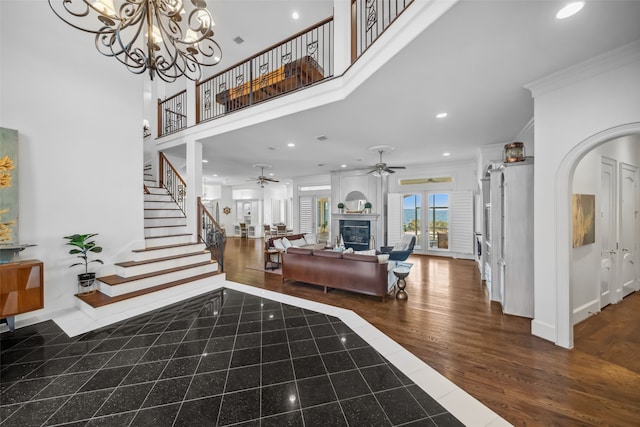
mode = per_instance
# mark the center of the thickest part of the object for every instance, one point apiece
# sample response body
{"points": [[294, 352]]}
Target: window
{"points": [[438, 219], [411, 216]]}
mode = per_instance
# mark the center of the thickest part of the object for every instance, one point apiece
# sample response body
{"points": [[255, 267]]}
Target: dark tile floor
{"points": [[224, 358]]}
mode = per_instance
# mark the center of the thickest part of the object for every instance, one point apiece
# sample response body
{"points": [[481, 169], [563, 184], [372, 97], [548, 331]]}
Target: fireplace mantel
{"points": [[355, 216]]}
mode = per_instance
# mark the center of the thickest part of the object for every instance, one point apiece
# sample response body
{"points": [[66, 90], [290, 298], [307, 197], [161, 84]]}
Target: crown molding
{"points": [[607, 61]]}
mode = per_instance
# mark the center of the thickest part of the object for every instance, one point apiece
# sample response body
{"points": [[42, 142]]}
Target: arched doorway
{"points": [[563, 197]]}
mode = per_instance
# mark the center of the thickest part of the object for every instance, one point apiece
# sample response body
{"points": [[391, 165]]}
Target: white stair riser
{"points": [[158, 198], [149, 282], [160, 205], [163, 222], [164, 231], [159, 213], [196, 287], [161, 265], [165, 241], [161, 253]]}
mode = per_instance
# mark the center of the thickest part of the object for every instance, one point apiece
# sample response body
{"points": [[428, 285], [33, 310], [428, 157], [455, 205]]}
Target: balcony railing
{"points": [[172, 114], [299, 61], [211, 234], [370, 19]]}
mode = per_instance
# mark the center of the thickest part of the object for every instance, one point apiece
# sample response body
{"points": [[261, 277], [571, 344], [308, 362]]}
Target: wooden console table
{"points": [[21, 289], [291, 76]]}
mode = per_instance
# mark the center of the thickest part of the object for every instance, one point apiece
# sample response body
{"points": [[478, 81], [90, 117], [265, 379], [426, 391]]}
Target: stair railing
{"points": [[173, 182], [211, 234]]}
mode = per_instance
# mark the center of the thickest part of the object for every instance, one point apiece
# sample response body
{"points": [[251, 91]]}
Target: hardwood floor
{"points": [[449, 323]]}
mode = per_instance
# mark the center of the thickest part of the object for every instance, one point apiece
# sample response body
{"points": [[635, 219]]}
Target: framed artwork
{"points": [[584, 219]]}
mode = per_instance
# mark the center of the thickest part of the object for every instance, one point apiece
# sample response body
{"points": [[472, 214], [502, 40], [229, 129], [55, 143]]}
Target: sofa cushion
{"points": [[327, 254], [361, 258], [286, 242], [310, 239], [278, 244], [298, 243], [300, 251]]}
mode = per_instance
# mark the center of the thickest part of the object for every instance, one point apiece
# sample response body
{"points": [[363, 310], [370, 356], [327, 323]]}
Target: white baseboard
{"points": [[586, 310]]}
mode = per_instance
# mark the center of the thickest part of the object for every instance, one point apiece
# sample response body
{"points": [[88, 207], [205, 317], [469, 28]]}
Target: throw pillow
{"points": [[368, 252], [311, 239], [298, 243], [278, 245], [287, 244]]}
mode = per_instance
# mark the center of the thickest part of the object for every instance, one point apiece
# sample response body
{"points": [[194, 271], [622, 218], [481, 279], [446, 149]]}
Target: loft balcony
{"points": [[307, 59]]}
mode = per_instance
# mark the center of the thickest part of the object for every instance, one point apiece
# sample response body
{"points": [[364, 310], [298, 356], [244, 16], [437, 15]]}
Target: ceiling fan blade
{"points": [[389, 170], [397, 167], [271, 179]]}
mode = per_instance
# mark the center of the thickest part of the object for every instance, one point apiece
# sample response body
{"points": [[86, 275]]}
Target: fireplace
{"points": [[355, 234]]}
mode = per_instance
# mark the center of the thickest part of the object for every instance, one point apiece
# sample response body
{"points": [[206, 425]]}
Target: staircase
{"points": [[172, 263]]}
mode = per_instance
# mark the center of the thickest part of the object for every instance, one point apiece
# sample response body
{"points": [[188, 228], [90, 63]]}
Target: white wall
{"points": [[572, 109], [585, 274], [79, 117]]}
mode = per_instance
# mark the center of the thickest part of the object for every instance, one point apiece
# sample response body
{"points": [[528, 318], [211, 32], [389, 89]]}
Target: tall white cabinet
{"points": [[509, 236]]}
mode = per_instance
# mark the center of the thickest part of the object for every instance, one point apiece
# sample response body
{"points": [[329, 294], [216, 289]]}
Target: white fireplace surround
{"points": [[373, 218]]}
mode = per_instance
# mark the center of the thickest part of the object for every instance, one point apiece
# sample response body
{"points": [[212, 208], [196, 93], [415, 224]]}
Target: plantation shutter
{"points": [[461, 237], [394, 219], [306, 214]]}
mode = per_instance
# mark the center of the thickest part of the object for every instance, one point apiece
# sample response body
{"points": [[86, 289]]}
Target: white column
{"points": [[194, 183], [191, 103], [341, 36]]}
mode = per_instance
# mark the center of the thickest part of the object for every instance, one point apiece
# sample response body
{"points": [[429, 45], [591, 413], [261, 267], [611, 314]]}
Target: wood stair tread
{"points": [[170, 235], [165, 226], [114, 279], [155, 248], [98, 299], [167, 258]]}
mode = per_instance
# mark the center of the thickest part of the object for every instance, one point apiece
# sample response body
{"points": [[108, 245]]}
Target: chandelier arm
{"points": [[174, 47]]}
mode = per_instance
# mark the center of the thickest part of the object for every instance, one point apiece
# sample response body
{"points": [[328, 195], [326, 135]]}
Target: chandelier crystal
{"points": [[169, 38]]}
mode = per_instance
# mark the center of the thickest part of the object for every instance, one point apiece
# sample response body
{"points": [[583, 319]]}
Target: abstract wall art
{"points": [[584, 219]]}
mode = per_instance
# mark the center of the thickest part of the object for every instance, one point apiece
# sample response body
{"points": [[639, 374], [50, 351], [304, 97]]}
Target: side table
{"points": [[401, 273], [269, 262]]}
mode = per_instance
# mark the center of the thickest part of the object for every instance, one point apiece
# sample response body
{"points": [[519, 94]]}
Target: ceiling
{"points": [[471, 63]]}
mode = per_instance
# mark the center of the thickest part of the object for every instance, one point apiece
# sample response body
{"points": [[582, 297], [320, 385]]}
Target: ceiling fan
{"points": [[381, 168], [262, 179]]}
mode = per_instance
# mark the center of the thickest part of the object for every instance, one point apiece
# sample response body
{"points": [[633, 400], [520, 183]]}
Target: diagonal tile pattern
{"points": [[222, 358]]}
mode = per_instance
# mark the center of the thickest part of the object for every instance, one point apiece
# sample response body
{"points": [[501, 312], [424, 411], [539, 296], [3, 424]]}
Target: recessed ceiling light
{"points": [[570, 10], [291, 144], [343, 166], [447, 154], [271, 174], [215, 174], [295, 15], [205, 161], [441, 115]]}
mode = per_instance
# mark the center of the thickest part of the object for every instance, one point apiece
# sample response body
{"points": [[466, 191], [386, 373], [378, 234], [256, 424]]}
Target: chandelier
{"points": [[170, 38]]}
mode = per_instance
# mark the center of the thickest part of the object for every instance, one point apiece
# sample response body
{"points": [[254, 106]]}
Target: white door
{"points": [[306, 215], [629, 228], [607, 231]]}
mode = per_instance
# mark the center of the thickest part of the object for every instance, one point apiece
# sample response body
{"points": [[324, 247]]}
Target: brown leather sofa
{"points": [[350, 272]]}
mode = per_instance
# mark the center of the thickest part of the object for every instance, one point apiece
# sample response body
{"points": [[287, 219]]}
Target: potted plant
{"points": [[340, 207], [367, 207], [82, 246]]}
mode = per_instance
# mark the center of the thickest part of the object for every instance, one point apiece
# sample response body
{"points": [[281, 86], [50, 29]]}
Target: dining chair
{"points": [[243, 230], [281, 230]]}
